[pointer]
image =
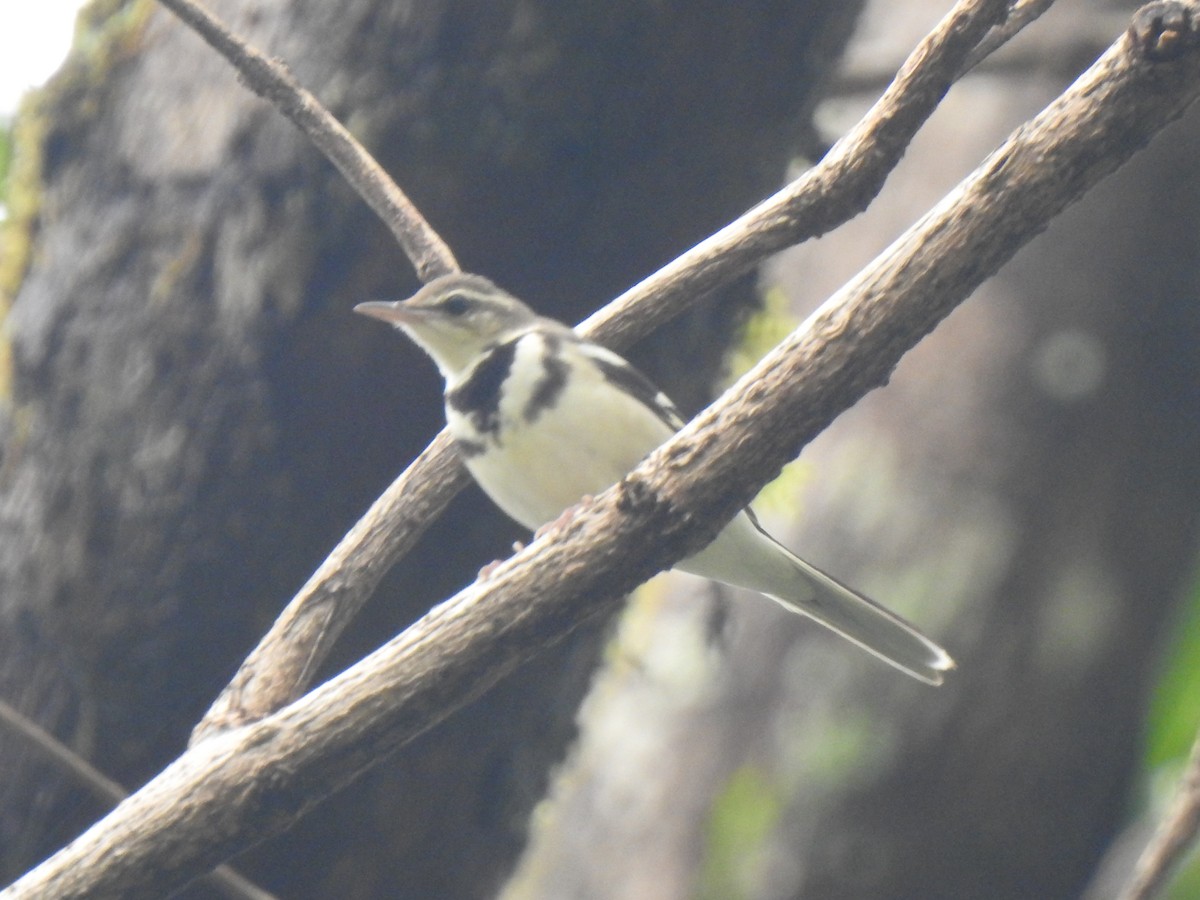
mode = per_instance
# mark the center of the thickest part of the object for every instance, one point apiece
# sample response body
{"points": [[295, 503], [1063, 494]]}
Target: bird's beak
{"points": [[391, 311]]}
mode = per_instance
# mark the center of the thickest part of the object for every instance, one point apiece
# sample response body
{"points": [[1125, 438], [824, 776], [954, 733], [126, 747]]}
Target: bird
{"points": [[544, 418]]}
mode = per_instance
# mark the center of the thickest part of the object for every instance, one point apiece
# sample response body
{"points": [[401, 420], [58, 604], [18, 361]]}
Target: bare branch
{"points": [[835, 190], [109, 792], [842, 185], [1020, 14], [102, 787], [1060, 53], [271, 80], [244, 785], [283, 664], [1174, 837]]}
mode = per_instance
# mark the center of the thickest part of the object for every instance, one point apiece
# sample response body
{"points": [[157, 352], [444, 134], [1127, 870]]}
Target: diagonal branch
{"points": [[244, 785], [1174, 837], [271, 80], [1020, 14], [234, 885], [281, 667]]}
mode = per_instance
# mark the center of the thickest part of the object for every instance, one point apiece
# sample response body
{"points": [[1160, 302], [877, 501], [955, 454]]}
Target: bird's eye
{"points": [[456, 305]]}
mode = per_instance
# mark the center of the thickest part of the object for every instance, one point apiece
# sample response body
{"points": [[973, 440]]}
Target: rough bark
{"points": [[195, 417], [1025, 488]]}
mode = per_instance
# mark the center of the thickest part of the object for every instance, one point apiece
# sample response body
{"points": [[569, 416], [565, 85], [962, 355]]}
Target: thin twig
{"points": [[245, 785], [281, 666], [102, 787], [833, 191], [1175, 836], [109, 792], [1020, 14], [1059, 55], [271, 80]]}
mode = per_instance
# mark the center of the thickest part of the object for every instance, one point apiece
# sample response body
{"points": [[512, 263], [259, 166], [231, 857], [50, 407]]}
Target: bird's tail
{"points": [[746, 556], [864, 622]]}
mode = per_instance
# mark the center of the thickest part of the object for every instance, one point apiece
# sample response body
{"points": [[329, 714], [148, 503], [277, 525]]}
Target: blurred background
{"points": [[193, 418]]}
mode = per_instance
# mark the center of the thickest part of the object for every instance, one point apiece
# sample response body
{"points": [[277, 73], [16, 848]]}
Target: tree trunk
{"points": [[196, 418]]}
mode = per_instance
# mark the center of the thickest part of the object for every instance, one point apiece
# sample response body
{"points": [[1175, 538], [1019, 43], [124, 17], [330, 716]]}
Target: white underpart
{"points": [[595, 434], [589, 440]]}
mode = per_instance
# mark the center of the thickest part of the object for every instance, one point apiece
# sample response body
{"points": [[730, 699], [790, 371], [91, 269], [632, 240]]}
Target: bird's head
{"points": [[455, 318]]}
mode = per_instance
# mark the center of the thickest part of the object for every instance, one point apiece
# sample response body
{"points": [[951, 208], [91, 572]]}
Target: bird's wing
{"points": [[621, 375]]}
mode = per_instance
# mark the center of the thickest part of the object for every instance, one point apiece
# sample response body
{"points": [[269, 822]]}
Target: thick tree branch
{"points": [[244, 785], [281, 667]]}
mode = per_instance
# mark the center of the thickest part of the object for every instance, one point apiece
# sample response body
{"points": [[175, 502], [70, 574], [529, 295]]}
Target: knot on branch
{"points": [[636, 498], [1164, 30]]}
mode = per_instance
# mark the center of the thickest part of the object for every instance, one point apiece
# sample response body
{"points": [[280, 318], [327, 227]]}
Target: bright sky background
{"points": [[33, 44]]}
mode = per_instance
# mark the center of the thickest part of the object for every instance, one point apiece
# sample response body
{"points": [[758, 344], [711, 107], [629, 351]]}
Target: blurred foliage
{"points": [[761, 333], [1172, 727], [5, 163], [1186, 885], [743, 816], [1175, 707]]}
